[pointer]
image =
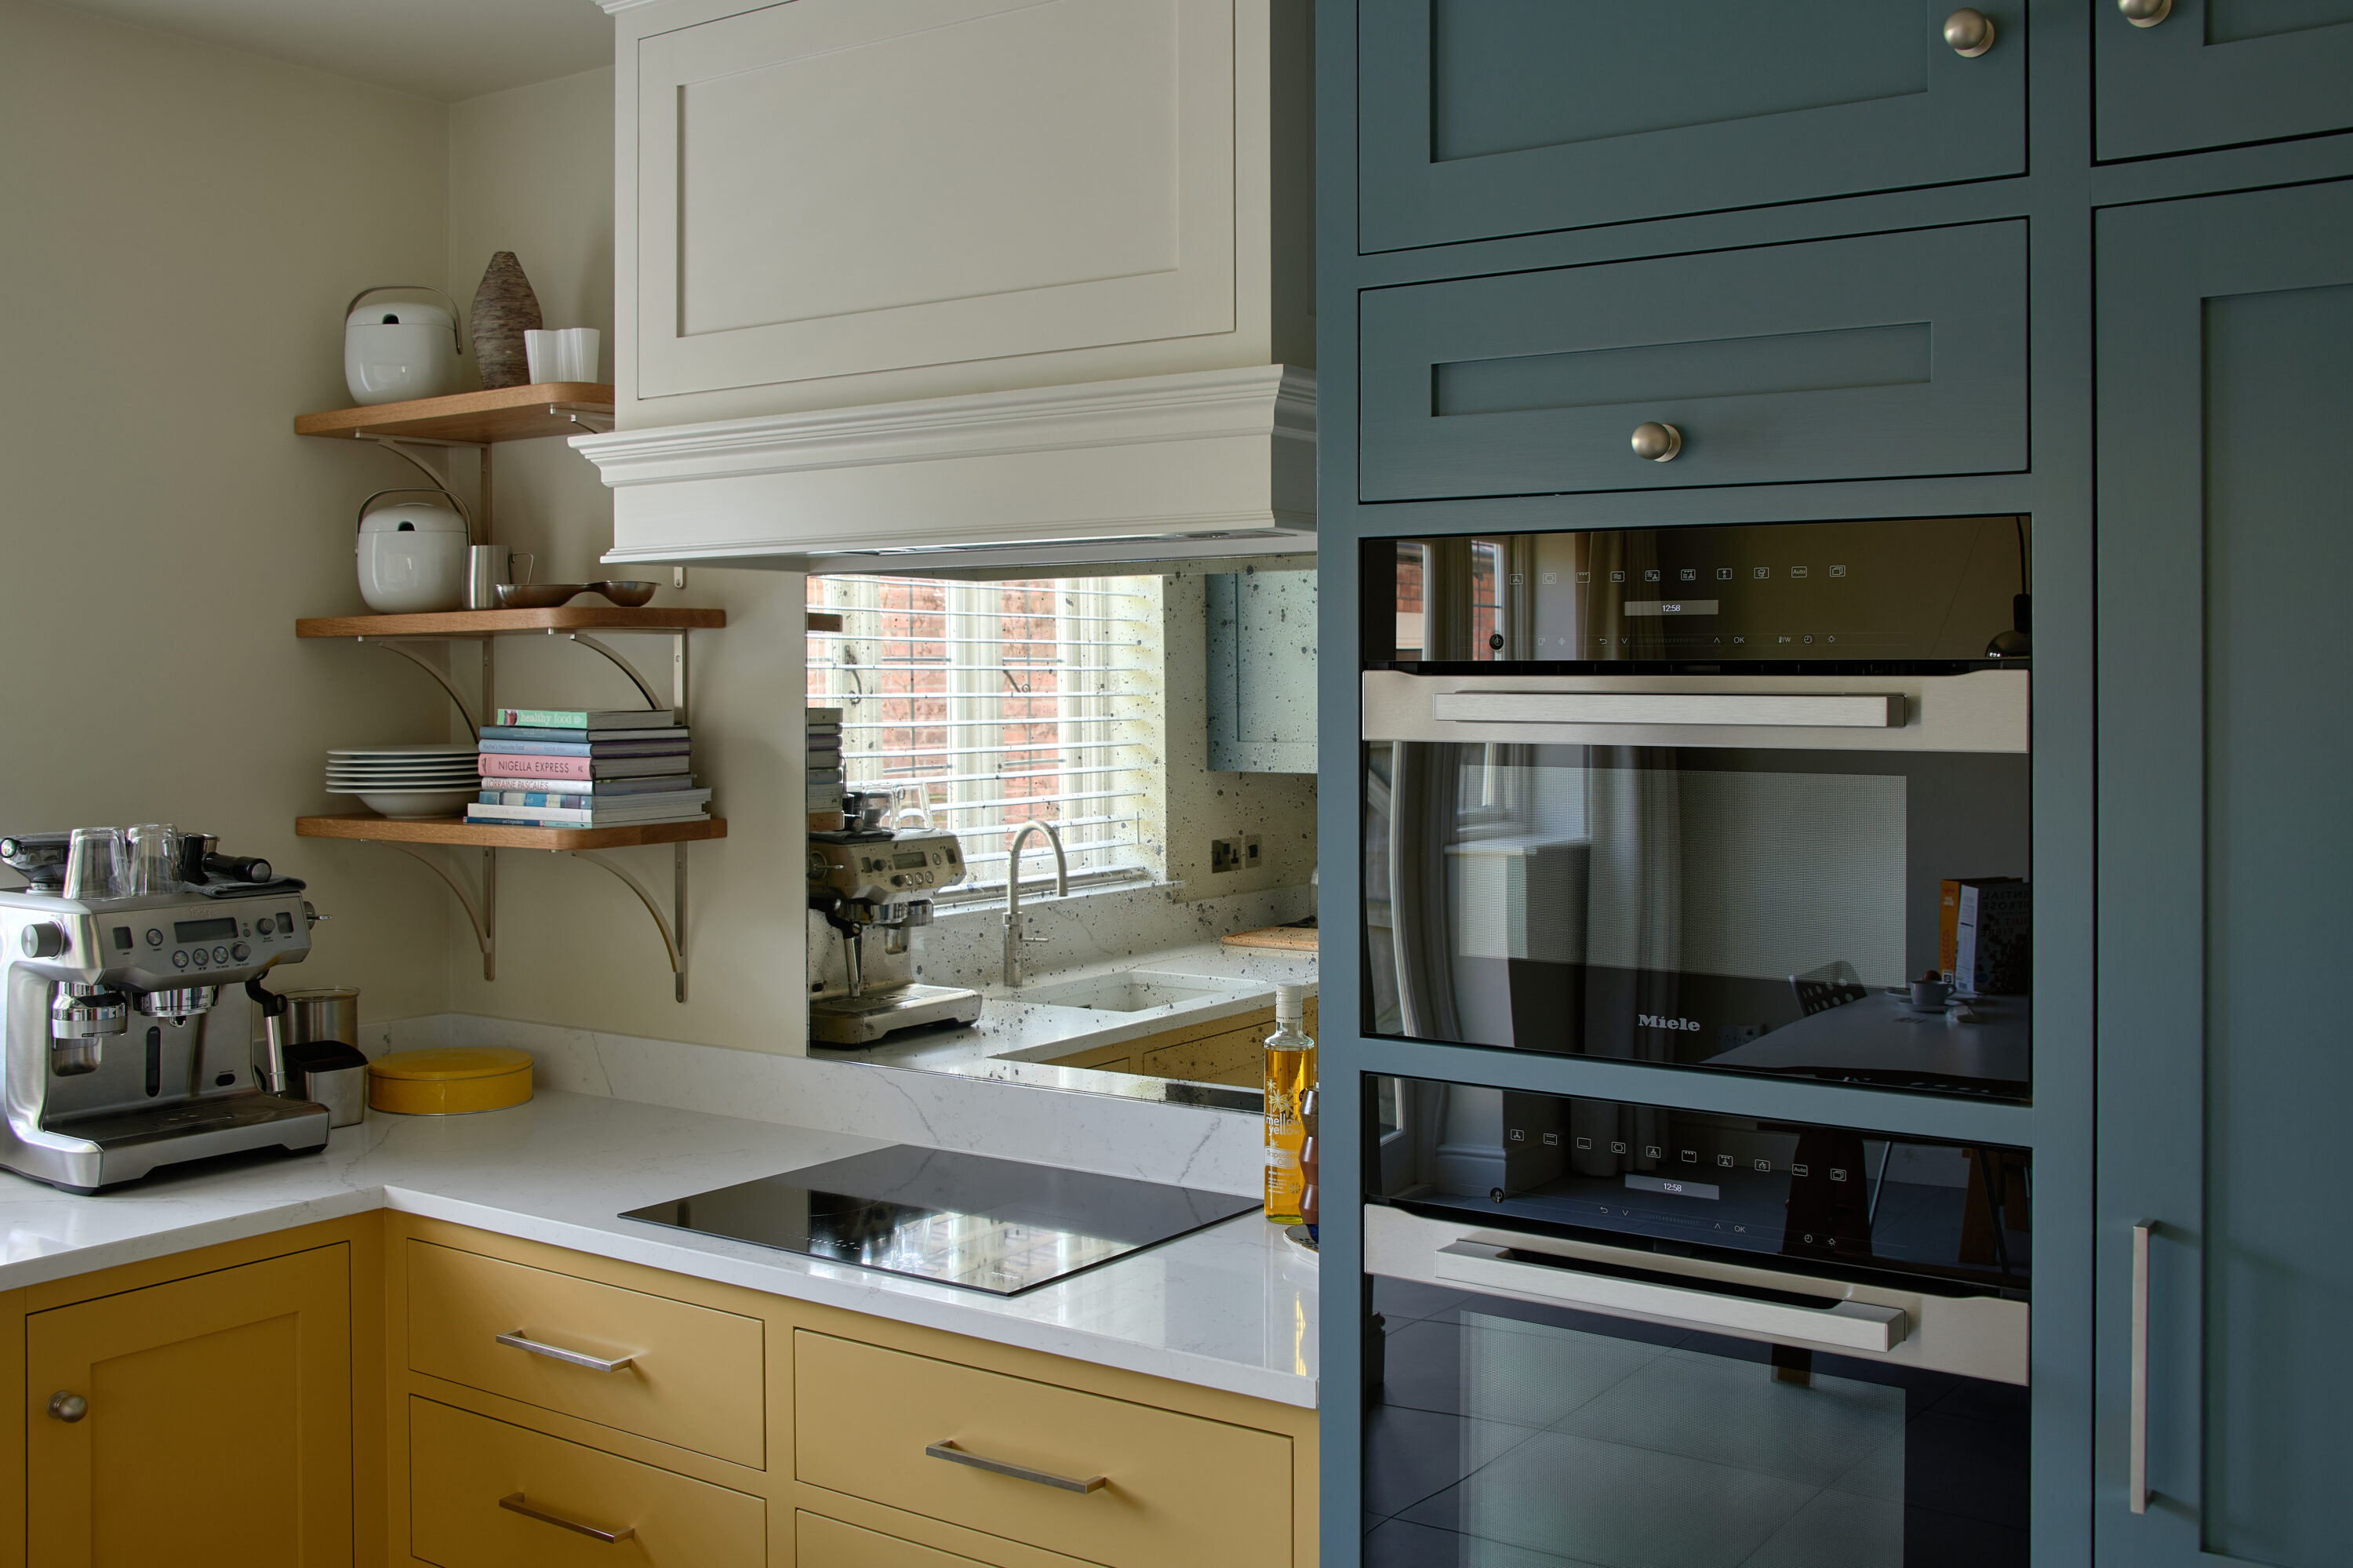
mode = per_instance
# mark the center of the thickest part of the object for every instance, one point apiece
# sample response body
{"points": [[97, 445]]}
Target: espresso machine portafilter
{"points": [[110, 970]]}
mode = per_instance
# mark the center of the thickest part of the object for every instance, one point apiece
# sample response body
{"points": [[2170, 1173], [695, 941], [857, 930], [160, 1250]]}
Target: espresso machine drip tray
{"points": [[863, 1020], [994, 1225]]}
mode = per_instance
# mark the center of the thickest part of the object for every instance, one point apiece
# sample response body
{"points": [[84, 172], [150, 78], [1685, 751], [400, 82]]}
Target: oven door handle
{"points": [[1811, 710], [1849, 1325]]}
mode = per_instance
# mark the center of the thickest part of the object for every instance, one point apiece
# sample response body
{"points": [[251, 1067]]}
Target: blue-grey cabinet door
{"points": [[2218, 73], [1872, 357], [2225, 860], [1480, 118]]}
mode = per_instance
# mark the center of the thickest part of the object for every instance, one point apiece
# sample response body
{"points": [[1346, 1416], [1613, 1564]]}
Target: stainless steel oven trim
{"points": [[1985, 711], [1971, 1336]]}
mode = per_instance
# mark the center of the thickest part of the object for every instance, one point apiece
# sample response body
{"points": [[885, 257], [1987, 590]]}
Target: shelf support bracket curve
{"points": [[482, 916], [673, 926], [621, 660], [391, 645]]}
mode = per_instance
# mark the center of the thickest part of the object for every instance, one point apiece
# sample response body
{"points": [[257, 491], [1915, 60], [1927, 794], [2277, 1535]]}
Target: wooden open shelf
{"points": [[480, 835], [495, 622], [508, 414]]}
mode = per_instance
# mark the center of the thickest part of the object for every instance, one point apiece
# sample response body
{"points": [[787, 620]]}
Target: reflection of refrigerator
{"points": [[1534, 1139]]}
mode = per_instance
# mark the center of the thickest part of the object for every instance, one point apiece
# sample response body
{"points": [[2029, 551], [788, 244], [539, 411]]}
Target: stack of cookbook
{"points": [[585, 768]]}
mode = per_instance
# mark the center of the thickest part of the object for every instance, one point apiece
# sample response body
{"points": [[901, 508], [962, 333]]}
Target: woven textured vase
{"points": [[505, 309]]}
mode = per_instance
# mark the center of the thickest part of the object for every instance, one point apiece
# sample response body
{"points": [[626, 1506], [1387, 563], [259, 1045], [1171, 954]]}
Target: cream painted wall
{"points": [[530, 171], [182, 226]]}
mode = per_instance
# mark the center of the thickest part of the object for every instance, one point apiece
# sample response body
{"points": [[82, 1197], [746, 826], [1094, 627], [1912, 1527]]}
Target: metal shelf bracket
{"points": [[400, 646], [637, 676], [482, 914], [673, 926]]}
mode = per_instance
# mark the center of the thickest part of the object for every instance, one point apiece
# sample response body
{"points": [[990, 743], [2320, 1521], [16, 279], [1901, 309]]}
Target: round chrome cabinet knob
{"points": [[2145, 13], [43, 939], [1969, 31], [1657, 442], [68, 1407]]}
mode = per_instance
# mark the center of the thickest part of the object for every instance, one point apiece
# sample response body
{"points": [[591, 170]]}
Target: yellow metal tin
{"points": [[452, 1082]]}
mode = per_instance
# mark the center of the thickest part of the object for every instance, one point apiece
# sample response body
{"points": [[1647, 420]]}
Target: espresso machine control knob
{"points": [[44, 939]]}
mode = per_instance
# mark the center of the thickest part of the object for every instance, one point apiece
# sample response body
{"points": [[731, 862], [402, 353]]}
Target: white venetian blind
{"points": [[995, 704]]}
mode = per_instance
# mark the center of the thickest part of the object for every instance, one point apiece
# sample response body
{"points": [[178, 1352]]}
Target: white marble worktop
{"points": [[1230, 1307]]}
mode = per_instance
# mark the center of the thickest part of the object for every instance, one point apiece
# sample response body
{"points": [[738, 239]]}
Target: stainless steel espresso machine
{"points": [[106, 1063], [861, 878]]}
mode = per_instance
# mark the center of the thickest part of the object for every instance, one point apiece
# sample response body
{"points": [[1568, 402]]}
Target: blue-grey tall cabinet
{"points": [[2100, 274]]}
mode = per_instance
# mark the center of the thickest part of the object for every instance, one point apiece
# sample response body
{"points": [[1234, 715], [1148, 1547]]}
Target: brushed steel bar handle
{"points": [[946, 1449], [518, 1341], [2136, 1463], [1851, 1325], [2145, 13], [1968, 32], [514, 1502], [1876, 710]]}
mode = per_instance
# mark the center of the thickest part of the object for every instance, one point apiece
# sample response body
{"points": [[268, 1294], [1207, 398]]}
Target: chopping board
{"points": [[1287, 939]]}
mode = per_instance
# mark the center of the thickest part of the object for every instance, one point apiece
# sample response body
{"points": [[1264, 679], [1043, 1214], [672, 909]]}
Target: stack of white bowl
{"points": [[407, 781]]}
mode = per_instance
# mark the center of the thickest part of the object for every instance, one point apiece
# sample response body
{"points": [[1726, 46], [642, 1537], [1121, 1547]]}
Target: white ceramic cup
{"points": [[567, 354], [540, 349], [577, 355]]}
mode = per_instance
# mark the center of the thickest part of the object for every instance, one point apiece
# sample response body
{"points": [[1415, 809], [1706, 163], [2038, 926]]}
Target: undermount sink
{"points": [[1120, 994]]}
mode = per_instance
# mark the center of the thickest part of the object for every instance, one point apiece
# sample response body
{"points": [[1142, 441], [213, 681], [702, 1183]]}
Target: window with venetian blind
{"points": [[985, 706]]}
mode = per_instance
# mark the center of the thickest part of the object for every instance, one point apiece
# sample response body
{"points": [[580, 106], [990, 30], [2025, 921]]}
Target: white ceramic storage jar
{"points": [[412, 555]]}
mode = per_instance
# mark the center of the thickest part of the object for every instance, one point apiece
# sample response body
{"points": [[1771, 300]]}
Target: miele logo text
{"points": [[1654, 1021]]}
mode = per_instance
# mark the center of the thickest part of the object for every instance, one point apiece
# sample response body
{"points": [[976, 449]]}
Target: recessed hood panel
{"points": [[1197, 467]]}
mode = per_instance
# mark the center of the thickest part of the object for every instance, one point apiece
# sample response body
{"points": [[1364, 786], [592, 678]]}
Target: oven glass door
{"points": [[1616, 1335], [1748, 907], [1509, 1434]]}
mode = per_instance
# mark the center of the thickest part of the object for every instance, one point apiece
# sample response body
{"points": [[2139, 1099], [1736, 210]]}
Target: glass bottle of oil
{"points": [[1290, 1074]]}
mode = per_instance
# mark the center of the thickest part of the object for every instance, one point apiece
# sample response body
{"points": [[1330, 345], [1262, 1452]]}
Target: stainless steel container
{"points": [[330, 1073], [331, 1012]]}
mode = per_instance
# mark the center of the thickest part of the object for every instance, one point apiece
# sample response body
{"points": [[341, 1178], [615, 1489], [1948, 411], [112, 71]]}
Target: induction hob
{"points": [[997, 1225]]}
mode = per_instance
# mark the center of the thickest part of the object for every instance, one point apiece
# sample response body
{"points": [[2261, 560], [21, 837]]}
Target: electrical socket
{"points": [[1250, 860], [1225, 854]]}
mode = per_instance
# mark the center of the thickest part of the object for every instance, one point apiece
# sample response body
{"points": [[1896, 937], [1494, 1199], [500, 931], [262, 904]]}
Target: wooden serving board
{"points": [[1287, 939]]}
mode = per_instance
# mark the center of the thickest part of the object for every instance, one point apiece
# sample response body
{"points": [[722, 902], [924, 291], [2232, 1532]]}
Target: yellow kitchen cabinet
{"points": [[203, 1419], [1106, 1480], [1227, 1051], [835, 1475], [491, 1495]]}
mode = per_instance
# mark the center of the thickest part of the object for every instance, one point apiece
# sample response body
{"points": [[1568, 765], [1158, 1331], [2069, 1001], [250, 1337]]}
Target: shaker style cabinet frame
{"points": [[214, 1422], [1884, 354], [1486, 118], [835, 187], [2225, 327], [2220, 73]]}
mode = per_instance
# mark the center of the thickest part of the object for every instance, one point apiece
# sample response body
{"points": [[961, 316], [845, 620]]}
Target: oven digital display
{"points": [[203, 931]]}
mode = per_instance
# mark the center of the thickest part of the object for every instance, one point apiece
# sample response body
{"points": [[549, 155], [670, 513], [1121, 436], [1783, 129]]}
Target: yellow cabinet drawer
{"points": [[822, 1543], [695, 1376], [483, 1494], [1177, 1492]]}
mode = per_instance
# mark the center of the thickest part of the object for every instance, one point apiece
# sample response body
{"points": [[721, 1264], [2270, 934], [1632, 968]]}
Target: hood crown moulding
{"points": [[1083, 472]]}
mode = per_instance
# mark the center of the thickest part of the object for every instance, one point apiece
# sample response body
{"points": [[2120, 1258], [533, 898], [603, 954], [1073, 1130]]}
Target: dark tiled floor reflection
{"points": [[1521, 1437]]}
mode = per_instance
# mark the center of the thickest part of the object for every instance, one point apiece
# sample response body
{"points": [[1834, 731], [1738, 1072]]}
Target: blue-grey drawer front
{"points": [[1882, 355], [2216, 73], [1483, 117]]}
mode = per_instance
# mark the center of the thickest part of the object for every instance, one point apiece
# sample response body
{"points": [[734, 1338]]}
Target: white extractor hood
{"points": [[1196, 466]]}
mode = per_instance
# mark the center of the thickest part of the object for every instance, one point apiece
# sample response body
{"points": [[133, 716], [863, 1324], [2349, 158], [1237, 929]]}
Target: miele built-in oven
{"points": [[1706, 797], [1622, 1336]]}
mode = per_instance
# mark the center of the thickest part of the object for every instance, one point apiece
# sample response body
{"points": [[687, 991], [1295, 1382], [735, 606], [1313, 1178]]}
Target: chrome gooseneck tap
{"points": [[1014, 968]]}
